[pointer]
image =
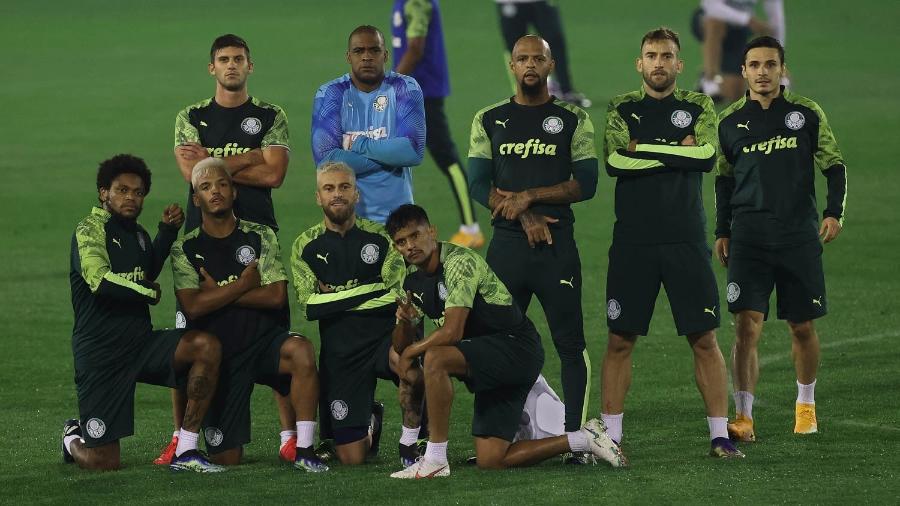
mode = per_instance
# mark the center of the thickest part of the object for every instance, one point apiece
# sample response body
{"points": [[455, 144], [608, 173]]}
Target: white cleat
{"points": [[602, 446], [423, 469]]}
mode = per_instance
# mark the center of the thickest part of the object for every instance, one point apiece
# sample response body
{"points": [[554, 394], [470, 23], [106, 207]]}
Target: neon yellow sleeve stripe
{"points": [[627, 163], [325, 298], [701, 152], [381, 301], [131, 285]]}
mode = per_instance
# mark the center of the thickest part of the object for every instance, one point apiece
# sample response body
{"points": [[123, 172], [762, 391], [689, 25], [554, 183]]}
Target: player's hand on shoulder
{"points": [[250, 275], [536, 227], [173, 215], [830, 229], [721, 248], [690, 140]]}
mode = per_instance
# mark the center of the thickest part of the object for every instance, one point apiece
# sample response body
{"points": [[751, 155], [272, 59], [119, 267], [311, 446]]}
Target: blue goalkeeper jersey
{"points": [[385, 132], [422, 18]]}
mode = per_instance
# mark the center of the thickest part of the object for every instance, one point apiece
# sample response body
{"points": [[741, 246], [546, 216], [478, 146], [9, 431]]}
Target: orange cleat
{"points": [[805, 419], [288, 452], [741, 429], [165, 458], [463, 238]]}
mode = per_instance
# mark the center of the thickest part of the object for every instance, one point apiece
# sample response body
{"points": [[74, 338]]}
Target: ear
{"points": [[250, 66], [195, 199], [211, 68], [679, 66], [639, 65], [348, 56], [552, 65], [104, 194], [744, 71], [318, 199]]}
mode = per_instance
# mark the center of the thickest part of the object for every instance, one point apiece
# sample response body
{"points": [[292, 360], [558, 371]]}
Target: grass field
{"points": [[86, 80]]}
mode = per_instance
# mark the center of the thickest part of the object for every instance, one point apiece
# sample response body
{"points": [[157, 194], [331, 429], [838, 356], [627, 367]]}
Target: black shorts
{"points": [[795, 272], [501, 370], [354, 355], [736, 38], [634, 276], [106, 394], [227, 423]]}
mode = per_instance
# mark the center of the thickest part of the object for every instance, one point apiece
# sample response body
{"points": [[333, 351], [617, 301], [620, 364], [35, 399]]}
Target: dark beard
{"points": [[648, 79], [532, 90], [339, 218]]}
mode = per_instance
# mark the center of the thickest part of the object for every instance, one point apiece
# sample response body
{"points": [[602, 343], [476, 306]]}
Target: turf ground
{"points": [[90, 79]]}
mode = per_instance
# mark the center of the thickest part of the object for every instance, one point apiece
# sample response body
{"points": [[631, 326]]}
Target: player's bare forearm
{"points": [[415, 50], [566, 192], [271, 296], [268, 169], [447, 335], [403, 336], [198, 303]]}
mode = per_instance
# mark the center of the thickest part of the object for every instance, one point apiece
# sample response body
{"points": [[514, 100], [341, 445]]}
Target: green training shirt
{"points": [[224, 259], [112, 266], [229, 131], [765, 189], [659, 185]]}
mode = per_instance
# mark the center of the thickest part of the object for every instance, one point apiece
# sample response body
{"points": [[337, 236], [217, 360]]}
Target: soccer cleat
{"points": [[165, 458], [308, 461], [805, 419], [722, 448], [422, 469], [602, 446], [580, 458], [741, 429], [288, 451], [325, 451], [375, 427], [409, 454], [463, 238], [72, 427], [576, 98], [195, 461]]}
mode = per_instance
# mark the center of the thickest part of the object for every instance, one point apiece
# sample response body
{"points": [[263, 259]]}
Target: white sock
{"points": [[306, 431], [718, 426], [470, 229], [743, 403], [578, 441], [409, 436], [613, 425], [806, 393], [286, 436], [175, 434], [187, 440], [67, 441], [436, 452]]}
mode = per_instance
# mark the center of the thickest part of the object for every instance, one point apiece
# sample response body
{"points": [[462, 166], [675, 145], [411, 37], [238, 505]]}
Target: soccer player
{"points": [[530, 157], [659, 141], [517, 15], [483, 339], [373, 122], [771, 141], [418, 41], [251, 136], [347, 277], [724, 27], [113, 273], [229, 280]]}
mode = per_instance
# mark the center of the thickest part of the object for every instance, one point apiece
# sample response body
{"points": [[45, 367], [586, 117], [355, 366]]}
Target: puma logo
{"points": [[116, 241], [745, 126], [567, 281], [711, 310], [323, 258], [501, 123], [635, 116], [198, 256], [418, 296], [203, 123], [818, 301]]}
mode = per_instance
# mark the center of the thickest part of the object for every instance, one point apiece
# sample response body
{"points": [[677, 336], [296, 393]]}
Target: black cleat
{"points": [[325, 451], [409, 454], [72, 427], [376, 426], [579, 459]]}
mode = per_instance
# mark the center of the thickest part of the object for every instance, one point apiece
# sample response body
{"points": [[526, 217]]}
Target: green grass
{"points": [[86, 80]]}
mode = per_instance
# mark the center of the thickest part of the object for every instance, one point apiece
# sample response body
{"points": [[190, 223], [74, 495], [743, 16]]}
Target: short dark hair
{"points": [[227, 40], [765, 41], [661, 33], [405, 215], [365, 29], [122, 164]]}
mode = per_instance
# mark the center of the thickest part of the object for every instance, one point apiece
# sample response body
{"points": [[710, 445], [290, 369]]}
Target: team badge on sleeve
{"points": [[339, 409], [369, 253], [180, 320], [380, 103], [681, 118], [251, 125], [95, 428], [442, 290], [795, 120], [733, 292], [613, 309], [214, 436], [552, 124], [245, 254]]}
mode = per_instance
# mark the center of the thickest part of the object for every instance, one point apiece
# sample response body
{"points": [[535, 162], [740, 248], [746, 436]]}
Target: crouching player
{"points": [[483, 339], [113, 273], [229, 280], [347, 277]]}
